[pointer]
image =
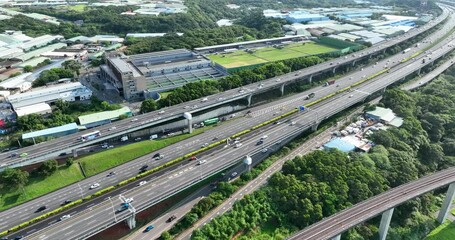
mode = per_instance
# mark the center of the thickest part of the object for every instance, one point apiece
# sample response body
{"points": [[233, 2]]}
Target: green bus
{"points": [[211, 121]]}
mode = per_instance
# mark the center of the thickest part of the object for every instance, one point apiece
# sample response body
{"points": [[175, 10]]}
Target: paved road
{"points": [[429, 77], [361, 212], [24, 212], [307, 147], [160, 224], [53, 148], [183, 177]]}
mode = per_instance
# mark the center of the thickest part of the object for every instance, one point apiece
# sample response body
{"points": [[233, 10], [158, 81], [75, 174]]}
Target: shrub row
{"points": [[177, 160], [410, 57]]}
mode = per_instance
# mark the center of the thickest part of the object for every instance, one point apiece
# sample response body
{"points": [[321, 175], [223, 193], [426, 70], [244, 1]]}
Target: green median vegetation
{"points": [[99, 162], [38, 186]]}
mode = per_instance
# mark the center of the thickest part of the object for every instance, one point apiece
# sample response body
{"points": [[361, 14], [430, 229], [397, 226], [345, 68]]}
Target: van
{"points": [[264, 137]]}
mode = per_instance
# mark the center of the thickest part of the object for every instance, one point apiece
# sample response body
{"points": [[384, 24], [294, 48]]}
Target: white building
{"points": [[40, 108], [67, 92]]}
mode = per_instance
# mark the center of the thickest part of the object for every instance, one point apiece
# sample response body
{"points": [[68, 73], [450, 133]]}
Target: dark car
{"points": [[111, 174], [144, 167], [18, 237], [66, 202], [147, 229], [172, 218], [62, 154], [260, 142], [42, 208]]}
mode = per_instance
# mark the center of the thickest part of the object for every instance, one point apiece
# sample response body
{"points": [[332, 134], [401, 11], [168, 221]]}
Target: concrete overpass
{"points": [[50, 149], [332, 227]]}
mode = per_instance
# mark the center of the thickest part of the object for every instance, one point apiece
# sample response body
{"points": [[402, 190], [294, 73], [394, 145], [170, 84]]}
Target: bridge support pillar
{"points": [[190, 125], [249, 99], [353, 63], [385, 223], [74, 153], [418, 71], [333, 70], [131, 221], [311, 78], [282, 89], [447, 203], [338, 237], [314, 127]]}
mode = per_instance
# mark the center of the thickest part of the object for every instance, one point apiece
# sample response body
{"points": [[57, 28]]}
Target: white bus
{"points": [[90, 136]]}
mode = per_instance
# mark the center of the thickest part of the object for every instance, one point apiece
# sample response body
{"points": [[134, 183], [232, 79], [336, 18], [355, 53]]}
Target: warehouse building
{"points": [[249, 44], [340, 144], [39, 108], [101, 118], [66, 92], [385, 116], [136, 76], [52, 132], [303, 16]]}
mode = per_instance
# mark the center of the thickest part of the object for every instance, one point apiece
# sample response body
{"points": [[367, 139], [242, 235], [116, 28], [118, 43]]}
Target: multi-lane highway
{"points": [[361, 212], [55, 147], [24, 212], [259, 114], [97, 218]]}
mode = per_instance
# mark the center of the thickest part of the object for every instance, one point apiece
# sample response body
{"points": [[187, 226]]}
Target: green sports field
{"points": [[241, 58]]}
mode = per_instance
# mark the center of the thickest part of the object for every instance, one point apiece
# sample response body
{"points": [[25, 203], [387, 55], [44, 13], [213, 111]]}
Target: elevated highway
{"points": [[53, 148], [99, 217], [23, 212], [331, 227]]}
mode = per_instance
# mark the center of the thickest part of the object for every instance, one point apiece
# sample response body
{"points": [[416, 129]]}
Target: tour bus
{"points": [[90, 136]]}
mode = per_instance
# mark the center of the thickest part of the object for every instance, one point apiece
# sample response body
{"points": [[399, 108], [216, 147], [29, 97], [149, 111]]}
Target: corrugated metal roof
{"points": [[36, 53], [50, 131], [32, 62], [340, 144], [36, 108], [102, 116]]}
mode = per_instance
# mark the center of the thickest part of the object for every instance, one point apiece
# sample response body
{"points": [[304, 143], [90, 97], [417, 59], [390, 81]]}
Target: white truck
{"points": [[406, 50]]}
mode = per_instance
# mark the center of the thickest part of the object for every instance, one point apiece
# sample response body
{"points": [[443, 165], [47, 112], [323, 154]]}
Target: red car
{"points": [[193, 158]]}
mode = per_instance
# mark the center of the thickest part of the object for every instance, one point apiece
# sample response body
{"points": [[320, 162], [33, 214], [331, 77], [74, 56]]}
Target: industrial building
{"points": [[52, 132], [303, 16], [39, 108], [136, 76], [385, 116], [248, 44], [101, 118], [66, 92], [340, 144]]}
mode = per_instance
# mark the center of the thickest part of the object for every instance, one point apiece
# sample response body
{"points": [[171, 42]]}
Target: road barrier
{"points": [[180, 159]]}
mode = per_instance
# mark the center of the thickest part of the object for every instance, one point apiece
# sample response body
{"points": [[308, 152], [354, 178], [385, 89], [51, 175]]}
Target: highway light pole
{"points": [[113, 211], [82, 195]]}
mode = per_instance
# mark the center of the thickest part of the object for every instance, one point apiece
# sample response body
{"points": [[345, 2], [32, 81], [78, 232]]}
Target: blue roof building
{"points": [[302, 16], [52, 132], [340, 144]]}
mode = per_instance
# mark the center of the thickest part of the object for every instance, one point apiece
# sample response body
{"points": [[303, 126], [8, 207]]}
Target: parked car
{"points": [[234, 174]]}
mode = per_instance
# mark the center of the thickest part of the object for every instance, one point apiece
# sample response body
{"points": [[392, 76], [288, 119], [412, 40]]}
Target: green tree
{"points": [[48, 168], [148, 105], [69, 161], [13, 178], [28, 68]]}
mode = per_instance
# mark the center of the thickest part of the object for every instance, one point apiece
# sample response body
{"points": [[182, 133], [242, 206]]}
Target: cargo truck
{"points": [[406, 50]]}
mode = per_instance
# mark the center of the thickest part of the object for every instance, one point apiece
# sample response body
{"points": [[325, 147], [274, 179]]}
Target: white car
{"points": [[186, 107], [204, 100], [350, 96], [238, 145], [234, 174], [161, 112], [202, 162], [134, 120], [142, 183], [112, 128], [95, 185], [64, 217], [129, 200], [264, 137], [264, 150]]}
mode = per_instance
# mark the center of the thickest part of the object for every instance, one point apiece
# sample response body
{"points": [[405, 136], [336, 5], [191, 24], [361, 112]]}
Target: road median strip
{"points": [[180, 159]]}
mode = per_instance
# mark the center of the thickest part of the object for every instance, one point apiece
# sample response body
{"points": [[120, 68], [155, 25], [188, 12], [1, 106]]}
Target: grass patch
{"points": [[452, 211], [99, 162], [165, 94], [269, 54], [445, 231], [77, 8], [38, 186]]}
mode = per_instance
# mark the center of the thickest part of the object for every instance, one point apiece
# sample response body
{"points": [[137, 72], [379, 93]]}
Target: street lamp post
{"points": [[113, 211]]}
